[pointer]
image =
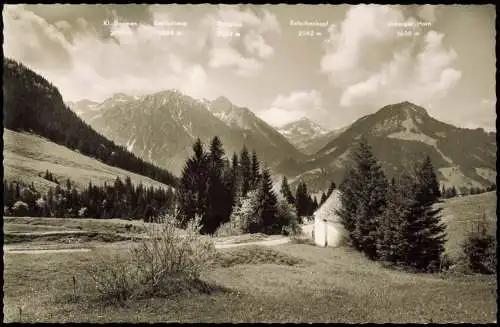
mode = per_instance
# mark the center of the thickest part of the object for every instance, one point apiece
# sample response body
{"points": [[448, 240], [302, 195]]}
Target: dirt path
{"points": [[274, 242], [40, 251], [218, 245]]}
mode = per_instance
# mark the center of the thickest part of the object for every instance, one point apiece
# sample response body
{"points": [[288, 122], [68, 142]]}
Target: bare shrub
{"points": [[168, 261], [479, 248], [480, 253], [228, 229]]}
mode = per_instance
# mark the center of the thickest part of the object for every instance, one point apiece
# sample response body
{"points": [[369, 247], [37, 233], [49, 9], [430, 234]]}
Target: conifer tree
{"points": [[332, 187], [286, 192], [323, 198], [255, 171], [363, 192], [218, 196], [245, 166], [267, 202], [193, 186], [315, 204], [392, 241], [301, 199], [235, 171], [426, 231]]}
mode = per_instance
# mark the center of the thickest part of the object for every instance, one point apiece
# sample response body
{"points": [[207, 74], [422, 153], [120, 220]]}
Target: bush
{"points": [[228, 229], [480, 253], [20, 209], [288, 219], [167, 262], [245, 214]]}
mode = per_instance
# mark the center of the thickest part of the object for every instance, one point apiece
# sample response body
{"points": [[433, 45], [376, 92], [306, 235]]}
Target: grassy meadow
{"points": [[284, 283], [290, 283]]}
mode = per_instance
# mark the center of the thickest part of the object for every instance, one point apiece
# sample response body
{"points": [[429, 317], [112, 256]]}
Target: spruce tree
{"points": [[363, 192], [255, 171], [235, 171], [267, 201], [286, 192], [426, 231], [315, 204], [428, 180], [301, 199], [310, 205], [245, 166], [193, 185], [323, 198], [332, 187], [218, 196], [392, 240]]}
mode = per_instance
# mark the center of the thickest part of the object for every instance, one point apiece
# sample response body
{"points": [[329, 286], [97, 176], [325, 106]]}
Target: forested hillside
{"points": [[33, 104]]}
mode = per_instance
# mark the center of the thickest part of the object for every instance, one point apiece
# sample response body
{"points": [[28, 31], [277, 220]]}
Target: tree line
{"points": [[450, 192], [119, 200], [304, 203], [33, 104], [393, 222], [237, 191]]}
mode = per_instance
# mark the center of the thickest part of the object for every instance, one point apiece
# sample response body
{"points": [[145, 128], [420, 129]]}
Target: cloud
{"points": [[371, 65], [136, 59], [427, 13], [246, 50], [288, 108]]}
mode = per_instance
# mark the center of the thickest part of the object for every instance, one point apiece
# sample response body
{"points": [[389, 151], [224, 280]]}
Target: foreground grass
{"points": [[287, 283]]}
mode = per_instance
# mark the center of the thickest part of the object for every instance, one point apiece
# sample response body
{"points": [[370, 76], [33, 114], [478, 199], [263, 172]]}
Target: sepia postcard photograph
{"points": [[245, 163]]}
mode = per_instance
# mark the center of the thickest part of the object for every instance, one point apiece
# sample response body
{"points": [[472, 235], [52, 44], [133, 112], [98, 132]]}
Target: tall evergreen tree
{"points": [[218, 195], [193, 187], [302, 200], [392, 242], [255, 171], [363, 200], [332, 187], [315, 204], [267, 210], [428, 181], [286, 192], [245, 166], [426, 231], [323, 198]]}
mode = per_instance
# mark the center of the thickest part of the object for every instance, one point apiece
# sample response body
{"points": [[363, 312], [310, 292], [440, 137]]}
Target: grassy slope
{"points": [[328, 285], [28, 155], [459, 212]]}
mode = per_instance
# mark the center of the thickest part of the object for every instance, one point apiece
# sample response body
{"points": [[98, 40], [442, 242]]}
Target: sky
{"points": [[329, 63]]}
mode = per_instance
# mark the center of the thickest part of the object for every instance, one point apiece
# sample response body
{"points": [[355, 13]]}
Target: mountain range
{"points": [[400, 134], [146, 134], [308, 136], [162, 127]]}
